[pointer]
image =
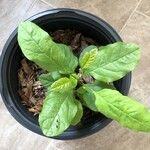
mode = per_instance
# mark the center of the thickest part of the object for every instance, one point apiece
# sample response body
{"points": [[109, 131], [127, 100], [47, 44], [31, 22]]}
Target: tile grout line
{"points": [[55, 6], [23, 17], [130, 16], [43, 1], [140, 13]]}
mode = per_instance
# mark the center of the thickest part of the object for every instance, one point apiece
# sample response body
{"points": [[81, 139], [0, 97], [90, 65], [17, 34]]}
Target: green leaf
{"points": [[49, 78], [64, 84], [128, 112], [113, 61], [86, 93], [57, 113], [38, 46], [88, 56], [79, 113]]}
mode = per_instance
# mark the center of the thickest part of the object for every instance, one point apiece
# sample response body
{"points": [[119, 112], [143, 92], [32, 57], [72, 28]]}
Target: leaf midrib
{"points": [[113, 61], [62, 85], [52, 122], [39, 47], [143, 124], [86, 61]]}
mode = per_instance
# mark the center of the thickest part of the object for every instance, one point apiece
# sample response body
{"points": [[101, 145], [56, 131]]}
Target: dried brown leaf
{"points": [[25, 66]]}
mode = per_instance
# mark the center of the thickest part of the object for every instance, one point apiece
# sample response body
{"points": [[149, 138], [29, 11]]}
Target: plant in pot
{"points": [[71, 83], [36, 81]]}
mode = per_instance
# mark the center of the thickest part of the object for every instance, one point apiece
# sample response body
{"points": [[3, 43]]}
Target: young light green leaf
{"points": [[86, 93], [113, 61], [49, 78], [79, 113], [64, 84], [38, 46], [128, 112], [57, 113], [88, 56]]}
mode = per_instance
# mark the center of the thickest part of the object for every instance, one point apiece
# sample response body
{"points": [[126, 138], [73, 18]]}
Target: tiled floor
{"points": [[129, 17]]}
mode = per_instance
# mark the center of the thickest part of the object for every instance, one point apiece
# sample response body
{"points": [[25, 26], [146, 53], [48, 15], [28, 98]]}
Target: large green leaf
{"points": [[112, 62], [38, 46], [64, 84], [79, 113], [48, 79], [59, 109], [87, 96], [128, 112]]}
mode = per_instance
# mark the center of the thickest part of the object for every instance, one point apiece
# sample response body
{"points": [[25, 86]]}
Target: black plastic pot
{"points": [[50, 20]]}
